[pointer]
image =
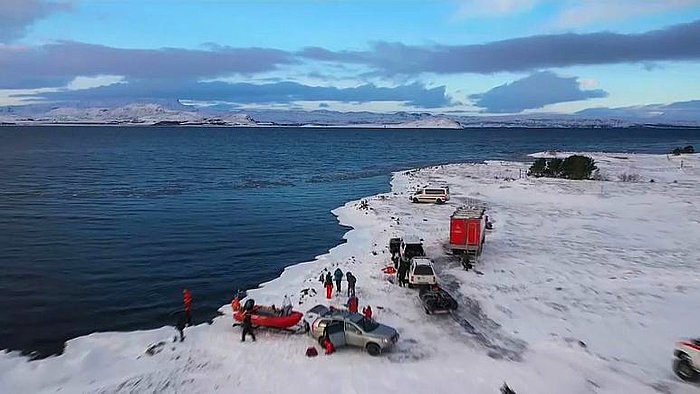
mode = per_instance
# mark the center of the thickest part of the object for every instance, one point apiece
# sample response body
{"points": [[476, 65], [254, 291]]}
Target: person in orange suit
{"points": [[367, 311], [187, 298], [329, 285]]}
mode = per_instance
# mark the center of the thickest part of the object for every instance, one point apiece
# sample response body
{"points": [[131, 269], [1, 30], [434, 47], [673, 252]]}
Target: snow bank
{"points": [[583, 287]]}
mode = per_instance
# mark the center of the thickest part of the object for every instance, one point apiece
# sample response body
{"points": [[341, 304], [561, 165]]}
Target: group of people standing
{"points": [[337, 276]]}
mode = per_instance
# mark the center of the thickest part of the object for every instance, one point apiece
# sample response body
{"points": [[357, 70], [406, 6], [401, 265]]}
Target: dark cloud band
{"points": [[248, 93], [679, 42], [534, 91]]}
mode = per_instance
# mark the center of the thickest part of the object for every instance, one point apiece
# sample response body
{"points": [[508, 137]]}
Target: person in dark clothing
{"points": [[180, 325], [401, 273], [351, 284], [247, 326], [338, 276]]}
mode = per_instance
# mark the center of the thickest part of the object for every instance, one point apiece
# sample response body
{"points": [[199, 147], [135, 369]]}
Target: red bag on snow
{"points": [[311, 352]]}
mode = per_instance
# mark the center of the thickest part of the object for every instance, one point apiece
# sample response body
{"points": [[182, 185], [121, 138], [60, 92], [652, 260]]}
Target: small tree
{"points": [[554, 167], [538, 168], [578, 167]]}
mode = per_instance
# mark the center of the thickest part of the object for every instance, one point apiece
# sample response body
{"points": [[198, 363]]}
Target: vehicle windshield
{"points": [[366, 324], [414, 250], [423, 270]]}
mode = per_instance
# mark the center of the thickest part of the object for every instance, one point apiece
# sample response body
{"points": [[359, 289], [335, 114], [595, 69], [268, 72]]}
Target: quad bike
{"points": [[687, 362]]}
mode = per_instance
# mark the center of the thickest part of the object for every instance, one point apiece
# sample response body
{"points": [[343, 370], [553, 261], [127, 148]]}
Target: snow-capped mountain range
{"points": [[175, 113]]}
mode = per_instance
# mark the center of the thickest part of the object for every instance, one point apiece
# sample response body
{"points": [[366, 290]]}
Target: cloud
{"points": [[595, 11], [491, 8], [247, 93], [56, 64], [17, 15], [675, 43], [534, 91], [572, 13]]}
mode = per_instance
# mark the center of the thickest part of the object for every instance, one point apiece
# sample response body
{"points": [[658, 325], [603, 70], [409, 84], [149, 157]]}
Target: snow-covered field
{"points": [[583, 288]]}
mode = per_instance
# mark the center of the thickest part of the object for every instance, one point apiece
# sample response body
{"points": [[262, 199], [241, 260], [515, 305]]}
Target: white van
{"points": [[437, 195], [421, 272]]}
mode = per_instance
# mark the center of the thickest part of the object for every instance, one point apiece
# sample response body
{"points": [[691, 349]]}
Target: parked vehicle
{"points": [[421, 272], [394, 245], [437, 195], [436, 300], [687, 362], [409, 248], [468, 230], [350, 329]]}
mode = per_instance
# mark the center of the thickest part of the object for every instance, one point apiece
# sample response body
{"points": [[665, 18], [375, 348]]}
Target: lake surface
{"points": [[102, 227]]}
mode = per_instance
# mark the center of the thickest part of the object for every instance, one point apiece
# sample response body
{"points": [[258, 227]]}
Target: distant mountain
{"points": [[680, 113], [175, 113]]}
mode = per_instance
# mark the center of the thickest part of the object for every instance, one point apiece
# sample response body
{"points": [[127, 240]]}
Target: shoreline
{"points": [[512, 306], [389, 126]]}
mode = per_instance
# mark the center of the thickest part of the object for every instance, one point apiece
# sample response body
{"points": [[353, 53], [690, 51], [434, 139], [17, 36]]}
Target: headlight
{"points": [[386, 340]]}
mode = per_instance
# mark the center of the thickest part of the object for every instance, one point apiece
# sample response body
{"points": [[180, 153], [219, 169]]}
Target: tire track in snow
{"points": [[472, 318]]}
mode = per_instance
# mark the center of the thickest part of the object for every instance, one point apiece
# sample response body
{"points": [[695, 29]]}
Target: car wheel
{"points": [[373, 349], [415, 200], [439, 201], [684, 369]]}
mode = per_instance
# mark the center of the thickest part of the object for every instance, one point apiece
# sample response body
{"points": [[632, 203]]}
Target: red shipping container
{"points": [[467, 230]]}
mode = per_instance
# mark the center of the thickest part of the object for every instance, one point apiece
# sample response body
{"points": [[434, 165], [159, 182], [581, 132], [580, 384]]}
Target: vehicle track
{"points": [[474, 321]]}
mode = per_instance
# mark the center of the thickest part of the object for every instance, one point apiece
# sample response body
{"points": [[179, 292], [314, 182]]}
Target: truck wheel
{"points": [[684, 369], [373, 349]]}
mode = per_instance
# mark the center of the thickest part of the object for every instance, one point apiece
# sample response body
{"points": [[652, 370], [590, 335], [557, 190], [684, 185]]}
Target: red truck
{"points": [[468, 230]]}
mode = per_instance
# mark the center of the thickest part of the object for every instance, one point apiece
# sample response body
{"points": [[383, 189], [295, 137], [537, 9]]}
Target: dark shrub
{"points": [[554, 168], [538, 168], [687, 149], [573, 167], [578, 167]]}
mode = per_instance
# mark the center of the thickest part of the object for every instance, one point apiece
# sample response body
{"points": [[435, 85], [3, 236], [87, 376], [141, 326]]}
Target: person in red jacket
{"points": [[352, 304], [328, 345], [367, 311], [187, 298]]}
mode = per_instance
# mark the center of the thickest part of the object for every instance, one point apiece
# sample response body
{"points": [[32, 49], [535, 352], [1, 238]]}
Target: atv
{"points": [[687, 362]]}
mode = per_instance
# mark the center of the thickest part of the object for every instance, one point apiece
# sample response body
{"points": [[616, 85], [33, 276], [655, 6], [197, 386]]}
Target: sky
{"points": [[484, 57]]}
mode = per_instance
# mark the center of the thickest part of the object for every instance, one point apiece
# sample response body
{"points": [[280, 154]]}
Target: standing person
{"points": [[180, 325], [338, 276], [187, 298], [367, 311], [328, 345], [351, 283], [352, 304], [328, 283], [286, 306], [247, 325], [401, 273]]}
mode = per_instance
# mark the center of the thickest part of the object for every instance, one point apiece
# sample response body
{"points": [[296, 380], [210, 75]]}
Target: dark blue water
{"points": [[101, 228]]}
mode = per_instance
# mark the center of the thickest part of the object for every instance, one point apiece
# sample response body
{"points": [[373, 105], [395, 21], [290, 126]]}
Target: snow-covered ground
{"points": [[583, 288]]}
